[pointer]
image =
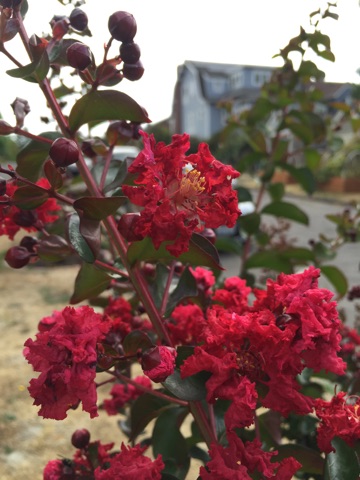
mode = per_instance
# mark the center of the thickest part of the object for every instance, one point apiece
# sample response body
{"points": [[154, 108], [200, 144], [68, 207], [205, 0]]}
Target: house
{"points": [[201, 86]]}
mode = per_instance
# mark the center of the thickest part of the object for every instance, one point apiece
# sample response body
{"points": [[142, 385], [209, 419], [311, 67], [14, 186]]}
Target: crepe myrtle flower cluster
{"points": [[96, 461], [178, 194], [254, 354]]}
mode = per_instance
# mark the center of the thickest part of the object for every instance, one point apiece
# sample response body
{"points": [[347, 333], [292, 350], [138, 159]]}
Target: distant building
{"points": [[202, 86]]}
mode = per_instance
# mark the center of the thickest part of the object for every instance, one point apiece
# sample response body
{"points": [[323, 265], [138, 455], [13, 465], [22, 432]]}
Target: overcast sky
{"points": [[170, 32]]}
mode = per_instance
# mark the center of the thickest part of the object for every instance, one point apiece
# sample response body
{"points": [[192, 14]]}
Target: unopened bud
{"points": [[80, 438], [24, 218], [17, 257], [78, 19], [64, 152], [60, 28], [130, 52], [133, 71], [79, 56], [122, 26], [158, 363], [29, 243]]}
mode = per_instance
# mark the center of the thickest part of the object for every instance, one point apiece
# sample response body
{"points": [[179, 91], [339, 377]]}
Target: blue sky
{"points": [[169, 32]]}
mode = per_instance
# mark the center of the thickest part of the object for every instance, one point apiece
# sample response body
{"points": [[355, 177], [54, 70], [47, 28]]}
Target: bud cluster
{"points": [[123, 27]]}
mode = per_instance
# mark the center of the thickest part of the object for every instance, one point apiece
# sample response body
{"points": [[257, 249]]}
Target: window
{"points": [[258, 78]]}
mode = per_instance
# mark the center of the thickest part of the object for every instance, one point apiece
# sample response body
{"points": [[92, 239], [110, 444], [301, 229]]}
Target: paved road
{"points": [[347, 259]]}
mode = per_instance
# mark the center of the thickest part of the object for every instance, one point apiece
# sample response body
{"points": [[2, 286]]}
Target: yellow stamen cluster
{"points": [[192, 184]]}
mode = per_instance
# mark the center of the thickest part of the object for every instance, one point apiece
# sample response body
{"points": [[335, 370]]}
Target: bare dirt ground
{"points": [[27, 441]]}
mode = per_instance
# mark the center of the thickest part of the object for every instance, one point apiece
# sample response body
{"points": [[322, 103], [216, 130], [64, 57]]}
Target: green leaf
{"points": [[143, 410], [168, 442], [34, 72], [250, 223], [89, 283], [312, 158], [200, 253], [276, 190], [297, 254], [105, 105], [342, 464], [31, 158], [336, 277], [261, 109], [256, 140], [281, 149], [185, 288], [303, 175], [191, 388], [78, 241], [29, 197], [96, 208], [286, 210], [135, 341], [269, 259], [311, 460]]}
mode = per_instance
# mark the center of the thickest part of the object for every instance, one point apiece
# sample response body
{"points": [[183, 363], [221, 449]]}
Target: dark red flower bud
{"points": [[179, 268], [126, 226], [122, 26], [10, 3], [2, 186], [29, 243], [80, 438], [78, 19], [158, 363], [64, 152], [133, 71], [25, 218], [130, 52], [79, 56], [60, 28], [149, 269], [17, 257]]}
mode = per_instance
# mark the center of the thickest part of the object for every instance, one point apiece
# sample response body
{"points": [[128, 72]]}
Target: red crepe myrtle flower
{"points": [[66, 356], [158, 363], [234, 295], [338, 418], [42, 215], [186, 324], [239, 461], [131, 464], [205, 280], [79, 466], [298, 302], [267, 346], [121, 317], [123, 393], [180, 195]]}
